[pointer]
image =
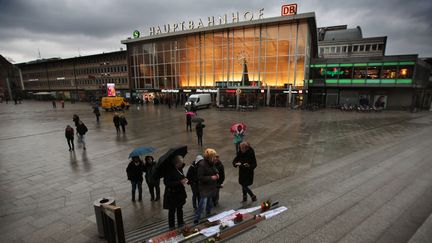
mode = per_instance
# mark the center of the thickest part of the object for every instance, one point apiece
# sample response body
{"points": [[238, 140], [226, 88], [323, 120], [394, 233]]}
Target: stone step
{"points": [[423, 233]]}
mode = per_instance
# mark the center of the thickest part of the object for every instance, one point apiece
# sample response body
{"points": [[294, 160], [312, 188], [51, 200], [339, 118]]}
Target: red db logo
{"points": [[289, 9]]}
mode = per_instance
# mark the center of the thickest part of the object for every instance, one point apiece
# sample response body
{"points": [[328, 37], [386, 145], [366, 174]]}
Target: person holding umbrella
{"points": [[175, 192], [134, 172], [152, 182], [246, 162], [238, 133]]}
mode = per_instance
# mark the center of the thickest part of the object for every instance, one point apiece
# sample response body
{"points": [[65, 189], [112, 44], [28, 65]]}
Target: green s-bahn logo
{"points": [[136, 34]]}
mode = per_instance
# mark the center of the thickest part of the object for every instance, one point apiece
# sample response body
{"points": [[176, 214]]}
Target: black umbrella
{"points": [[197, 119], [164, 161]]}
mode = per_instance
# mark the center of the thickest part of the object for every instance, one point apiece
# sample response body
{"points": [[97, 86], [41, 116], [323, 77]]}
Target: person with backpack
{"points": [[97, 113], [192, 176], [81, 131], [123, 122], [152, 183], [69, 133]]}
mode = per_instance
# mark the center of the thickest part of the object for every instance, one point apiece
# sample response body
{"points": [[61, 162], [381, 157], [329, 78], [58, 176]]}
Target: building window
{"points": [[389, 72], [338, 49], [380, 47], [333, 49], [355, 48], [359, 73], [349, 49], [361, 48], [344, 49], [345, 73], [368, 47], [405, 71], [373, 72]]}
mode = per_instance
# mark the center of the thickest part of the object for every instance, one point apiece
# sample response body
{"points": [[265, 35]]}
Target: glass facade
{"points": [[273, 55]]}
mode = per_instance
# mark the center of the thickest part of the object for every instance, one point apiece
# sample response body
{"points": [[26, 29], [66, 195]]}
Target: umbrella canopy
{"points": [[164, 161], [197, 119], [141, 151], [190, 113], [234, 126]]}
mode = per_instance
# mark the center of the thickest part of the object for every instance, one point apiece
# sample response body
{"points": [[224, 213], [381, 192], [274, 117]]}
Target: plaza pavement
{"points": [[349, 177]]}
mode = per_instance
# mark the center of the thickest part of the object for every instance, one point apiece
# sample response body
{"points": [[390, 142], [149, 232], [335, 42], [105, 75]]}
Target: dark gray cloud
{"points": [[67, 28]]}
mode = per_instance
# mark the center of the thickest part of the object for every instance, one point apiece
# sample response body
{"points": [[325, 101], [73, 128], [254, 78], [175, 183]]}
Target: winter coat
{"points": [[221, 171], [188, 119], [135, 171], [149, 169], [199, 129], [238, 137], [69, 133], [192, 174], [116, 120], [207, 186], [175, 192], [123, 121], [246, 174], [96, 111], [81, 129], [76, 120]]}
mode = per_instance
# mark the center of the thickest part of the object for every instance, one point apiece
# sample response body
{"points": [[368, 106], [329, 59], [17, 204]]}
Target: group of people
{"points": [[205, 176], [119, 120], [135, 170], [81, 130]]}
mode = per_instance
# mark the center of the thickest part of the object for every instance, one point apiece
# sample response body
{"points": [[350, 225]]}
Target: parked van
{"points": [[114, 103], [199, 100]]}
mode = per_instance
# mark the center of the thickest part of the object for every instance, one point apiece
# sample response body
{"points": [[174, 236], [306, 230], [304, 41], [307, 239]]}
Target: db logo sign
{"points": [[289, 9]]}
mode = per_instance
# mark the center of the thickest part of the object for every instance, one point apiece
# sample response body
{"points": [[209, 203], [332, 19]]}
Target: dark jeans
{"points": [[123, 128], [237, 146], [199, 140], [246, 190], [171, 216], [136, 184], [189, 127], [118, 129], [195, 196], [97, 118], [152, 189], [71, 141], [216, 198]]}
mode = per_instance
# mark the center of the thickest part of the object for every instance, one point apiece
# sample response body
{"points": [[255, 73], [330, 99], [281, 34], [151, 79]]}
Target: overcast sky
{"points": [[69, 28]]}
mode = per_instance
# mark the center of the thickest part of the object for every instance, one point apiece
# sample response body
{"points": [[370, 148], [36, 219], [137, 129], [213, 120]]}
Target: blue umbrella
{"points": [[141, 150]]}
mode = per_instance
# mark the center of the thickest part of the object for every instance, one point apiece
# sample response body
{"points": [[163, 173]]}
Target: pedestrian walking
{"points": [[62, 103], [81, 131], [123, 122], [97, 113], [69, 133], [238, 137], [207, 177], [116, 121], [200, 132], [221, 172], [175, 193], [53, 104], [192, 176], [75, 119], [246, 162], [134, 172], [153, 184], [189, 122]]}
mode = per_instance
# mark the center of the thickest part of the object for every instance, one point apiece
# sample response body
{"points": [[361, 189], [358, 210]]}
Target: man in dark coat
{"points": [[207, 177], [175, 192], [75, 119], [188, 122], [134, 172], [123, 122], [152, 183], [97, 113], [192, 176], [81, 131], [200, 132], [246, 162], [221, 172], [116, 121]]}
